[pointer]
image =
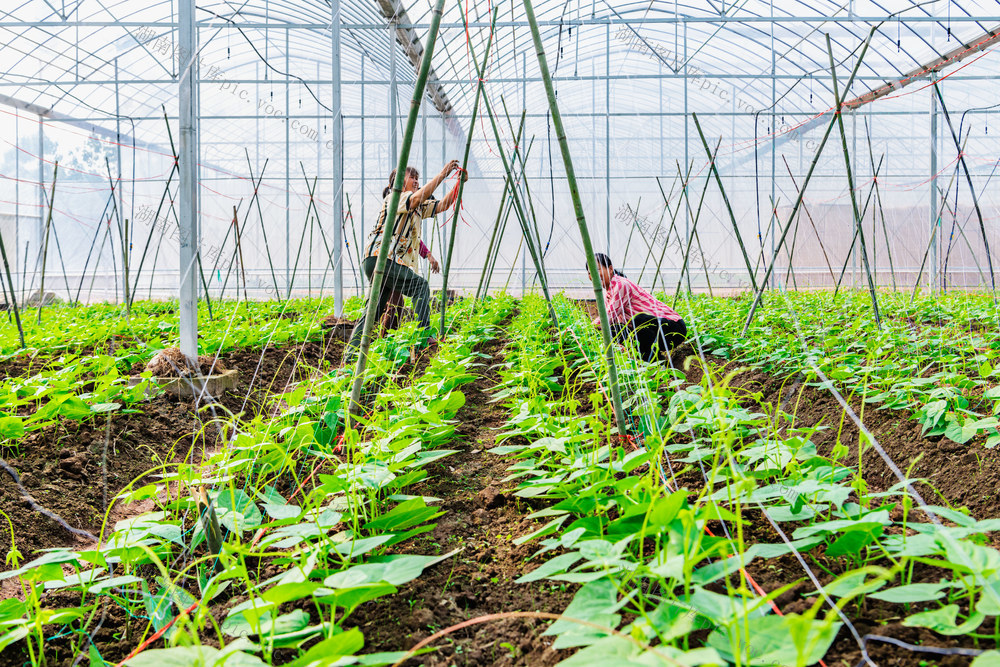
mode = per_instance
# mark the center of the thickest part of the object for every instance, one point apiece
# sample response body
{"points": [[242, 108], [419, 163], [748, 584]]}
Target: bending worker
{"points": [[415, 203], [635, 313]]}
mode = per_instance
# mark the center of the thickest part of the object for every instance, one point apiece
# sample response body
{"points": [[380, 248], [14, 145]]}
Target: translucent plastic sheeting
{"points": [[628, 76]]}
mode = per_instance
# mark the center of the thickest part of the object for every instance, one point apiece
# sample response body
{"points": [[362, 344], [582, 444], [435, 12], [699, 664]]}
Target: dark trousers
{"points": [[397, 278], [652, 334]]}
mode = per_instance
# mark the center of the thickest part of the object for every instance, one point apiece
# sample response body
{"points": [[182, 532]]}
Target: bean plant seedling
{"points": [[725, 530]]}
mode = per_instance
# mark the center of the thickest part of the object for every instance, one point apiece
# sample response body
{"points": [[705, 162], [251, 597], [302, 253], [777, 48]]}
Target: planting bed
{"points": [[485, 510]]}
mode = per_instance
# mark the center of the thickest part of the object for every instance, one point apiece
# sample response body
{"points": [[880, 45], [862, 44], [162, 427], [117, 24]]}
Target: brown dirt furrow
{"points": [[63, 466], [948, 469], [482, 518]]}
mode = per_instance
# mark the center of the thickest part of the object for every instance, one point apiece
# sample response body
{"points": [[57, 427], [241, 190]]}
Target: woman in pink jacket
{"points": [[635, 313]]}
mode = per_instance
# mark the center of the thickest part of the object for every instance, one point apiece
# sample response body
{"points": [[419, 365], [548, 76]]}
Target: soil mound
{"points": [[171, 363]]}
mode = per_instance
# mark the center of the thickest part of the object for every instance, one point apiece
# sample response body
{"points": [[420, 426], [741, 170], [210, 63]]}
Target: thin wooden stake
{"points": [[972, 189], [805, 184], [13, 295], [45, 248], [725, 198], [850, 185]]}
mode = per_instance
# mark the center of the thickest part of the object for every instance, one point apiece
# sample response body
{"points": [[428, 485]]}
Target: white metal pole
{"points": [[40, 228], [187, 173], [338, 161], [394, 144], [288, 174], [121, 198], [932, 274], [607, 135]]}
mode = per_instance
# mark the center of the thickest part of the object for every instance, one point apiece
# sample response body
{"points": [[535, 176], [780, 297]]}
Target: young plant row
{"points": [[946, 377], [86, 380], [154, 325], [661, 537], [307, 511]]}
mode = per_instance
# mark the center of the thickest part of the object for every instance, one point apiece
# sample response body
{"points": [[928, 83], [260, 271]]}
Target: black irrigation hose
{"points": [[33, 504], [913, 647]]}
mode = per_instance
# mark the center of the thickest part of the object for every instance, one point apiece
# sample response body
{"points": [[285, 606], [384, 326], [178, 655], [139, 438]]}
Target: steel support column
{"points": [[607, 135], [188, 173], [933, 186], [338, 160], [393, 111]]}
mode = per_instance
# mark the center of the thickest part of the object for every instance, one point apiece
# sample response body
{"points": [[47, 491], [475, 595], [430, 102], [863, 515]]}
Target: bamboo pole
{"points": [[464, 175], [302, 238], [13, 296], [854, 238], [930, 242], [24, 266], [663, 213], [260, 214], [62, 262], [789, 251], [694, 229], [93, 242], [100, 251], [635, 223], [504, 205], [805, 184], [522, 217], [357, 247], [45, 247], [496, 252], [397, 188], [239, 252], [725, 198], [672, 228], [972, 189], [524, 182], [961, 232], [850, 185], [581, 220], [809, 217], [159, 207]]}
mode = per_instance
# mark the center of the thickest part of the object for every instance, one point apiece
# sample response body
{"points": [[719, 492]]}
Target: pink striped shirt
{"points": [[624, 300]]}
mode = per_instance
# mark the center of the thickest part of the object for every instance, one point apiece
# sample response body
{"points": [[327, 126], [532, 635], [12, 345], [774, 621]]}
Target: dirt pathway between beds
{"points": [[483, 519]]}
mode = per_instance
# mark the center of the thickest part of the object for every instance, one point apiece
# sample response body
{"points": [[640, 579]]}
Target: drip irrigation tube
{"points": [[33, 504]]}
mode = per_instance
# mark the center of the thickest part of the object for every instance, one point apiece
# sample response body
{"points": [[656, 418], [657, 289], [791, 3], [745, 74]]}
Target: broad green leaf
{"points": [[72, 407], [237, 511], [853, 540], [943, 620], [396, 570], [621, 652], [769, 640], [405, 515], [596, 603], [988, 659], [550, 567], [912, 593], [330, 651], [193, 656], [11, 427]]}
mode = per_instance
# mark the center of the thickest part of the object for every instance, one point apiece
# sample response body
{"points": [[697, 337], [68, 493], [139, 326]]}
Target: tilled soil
{"points": [[953, 470], [482, 519], [66, 470]]}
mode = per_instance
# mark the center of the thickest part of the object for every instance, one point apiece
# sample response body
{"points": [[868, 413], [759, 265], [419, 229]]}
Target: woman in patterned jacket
{"points": [[415, 203]]}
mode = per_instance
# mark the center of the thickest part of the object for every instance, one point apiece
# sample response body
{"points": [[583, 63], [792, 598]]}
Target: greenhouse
{"points": [[681, 347]]}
